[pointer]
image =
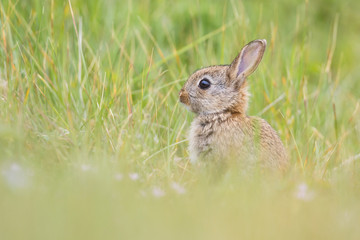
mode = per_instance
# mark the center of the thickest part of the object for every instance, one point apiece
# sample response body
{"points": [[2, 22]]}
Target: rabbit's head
{"points": [[223, 88]]}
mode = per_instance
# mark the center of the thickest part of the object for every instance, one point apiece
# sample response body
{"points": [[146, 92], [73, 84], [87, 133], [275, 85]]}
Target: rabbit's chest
{"points": [[200, 141], [213, 140]]}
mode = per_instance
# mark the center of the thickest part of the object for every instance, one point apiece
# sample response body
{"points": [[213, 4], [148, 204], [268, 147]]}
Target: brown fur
{"points": [[222, 131]]}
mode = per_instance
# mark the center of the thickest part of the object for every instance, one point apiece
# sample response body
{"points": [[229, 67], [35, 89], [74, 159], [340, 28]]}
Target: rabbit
{"points": [[221, 130]]}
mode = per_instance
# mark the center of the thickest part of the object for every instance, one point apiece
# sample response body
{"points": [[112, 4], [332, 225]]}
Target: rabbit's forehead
{"points": [[212, 72]]}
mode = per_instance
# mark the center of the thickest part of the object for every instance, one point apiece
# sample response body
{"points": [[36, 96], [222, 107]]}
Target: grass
{"points": [[93, 138]]}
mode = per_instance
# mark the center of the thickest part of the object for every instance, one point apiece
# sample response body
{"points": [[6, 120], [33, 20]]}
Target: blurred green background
{"points": [[93, 138]]}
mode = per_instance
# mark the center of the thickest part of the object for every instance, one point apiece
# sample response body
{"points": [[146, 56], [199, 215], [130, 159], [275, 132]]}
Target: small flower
{"points": [[303, 192], [158, 192], [134, 176], [156, 139], [178, 188], [85, 167], [63, 131], [16, 176]]}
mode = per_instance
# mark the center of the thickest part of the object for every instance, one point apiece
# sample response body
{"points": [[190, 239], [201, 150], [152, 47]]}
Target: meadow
{"points": [[93, 139]]}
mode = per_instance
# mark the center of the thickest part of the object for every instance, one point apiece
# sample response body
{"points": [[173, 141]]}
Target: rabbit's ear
{"points": [[247, 60]]}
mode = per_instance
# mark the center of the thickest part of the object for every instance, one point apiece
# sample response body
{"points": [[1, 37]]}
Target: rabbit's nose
{"points": [[184, 97]]}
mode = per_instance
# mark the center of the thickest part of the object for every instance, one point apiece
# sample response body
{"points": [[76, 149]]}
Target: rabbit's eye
{"points": [[204, 83]]}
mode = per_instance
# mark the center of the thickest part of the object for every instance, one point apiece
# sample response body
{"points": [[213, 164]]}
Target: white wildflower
{"points": [[85, 167], [16, 176], [178, 188], [134, 176], [303, 192], [63, 131], [158, 192], [156, 139]]}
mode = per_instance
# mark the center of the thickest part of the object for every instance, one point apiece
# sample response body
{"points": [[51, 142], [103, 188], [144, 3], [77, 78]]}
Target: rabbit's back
{"points": [[236, 137]]}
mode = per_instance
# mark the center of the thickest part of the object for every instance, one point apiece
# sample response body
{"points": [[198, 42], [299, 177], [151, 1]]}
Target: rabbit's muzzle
{"points": [[184, 97]]}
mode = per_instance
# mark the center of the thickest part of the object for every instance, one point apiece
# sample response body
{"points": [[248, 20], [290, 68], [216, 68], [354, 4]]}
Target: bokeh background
{"points": [[93, 140]]}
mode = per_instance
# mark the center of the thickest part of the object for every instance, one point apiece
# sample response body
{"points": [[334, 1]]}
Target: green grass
{"points": [[93, 138]]}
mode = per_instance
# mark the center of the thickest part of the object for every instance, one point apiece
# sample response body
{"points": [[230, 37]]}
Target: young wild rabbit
{"points": [[222, 131]]}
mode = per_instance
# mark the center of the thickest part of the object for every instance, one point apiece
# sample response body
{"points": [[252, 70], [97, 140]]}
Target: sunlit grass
{"points": [[93, 138]]}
